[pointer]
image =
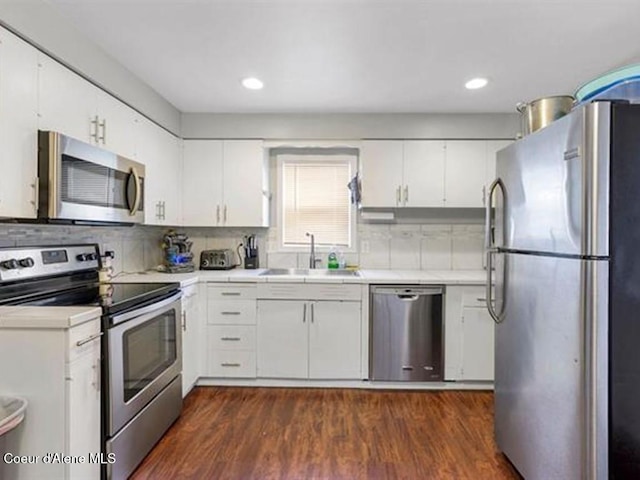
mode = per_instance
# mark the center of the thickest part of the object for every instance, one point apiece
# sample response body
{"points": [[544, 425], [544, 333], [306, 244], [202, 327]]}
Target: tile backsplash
{"points": [[380, 246], [136, 248]]}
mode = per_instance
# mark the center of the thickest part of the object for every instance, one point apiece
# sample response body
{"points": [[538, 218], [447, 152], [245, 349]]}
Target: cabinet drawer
{"points": [[232, 363], [87, 335], [240, 312], [231, 337], [231, 291], [309, 291]]}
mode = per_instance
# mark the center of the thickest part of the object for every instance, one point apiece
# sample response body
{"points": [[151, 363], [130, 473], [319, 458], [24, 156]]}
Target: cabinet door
{"points": [[334, 340], [172, 185], [83, 390], [191, 332], [243, 187], [202, 183], [477, 344], [382, 164], [67, 102], [117, 126], [465, 173], [18, 127], [423, 173], [283, 339], [149, 152]]}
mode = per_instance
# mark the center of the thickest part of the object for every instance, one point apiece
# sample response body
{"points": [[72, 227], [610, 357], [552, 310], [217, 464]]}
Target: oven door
{"points": [[81, 182], [144, 354]]}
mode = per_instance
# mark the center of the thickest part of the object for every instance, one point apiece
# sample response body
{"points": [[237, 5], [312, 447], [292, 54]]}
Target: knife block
{"points": [[251, 263]]}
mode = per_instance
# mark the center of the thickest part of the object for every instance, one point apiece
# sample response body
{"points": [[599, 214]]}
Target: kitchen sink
{"points": [[317, 272]]}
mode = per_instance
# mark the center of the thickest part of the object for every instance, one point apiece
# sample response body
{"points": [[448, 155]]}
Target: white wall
{"points": [[40, 24], [350, 126]]}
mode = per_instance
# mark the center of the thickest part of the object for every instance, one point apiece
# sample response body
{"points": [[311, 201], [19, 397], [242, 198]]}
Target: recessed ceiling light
{"points": [[252, 83], [476, 83]]}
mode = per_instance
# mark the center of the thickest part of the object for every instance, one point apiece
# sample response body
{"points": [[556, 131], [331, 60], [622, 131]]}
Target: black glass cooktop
{"points": [[112, 297]]}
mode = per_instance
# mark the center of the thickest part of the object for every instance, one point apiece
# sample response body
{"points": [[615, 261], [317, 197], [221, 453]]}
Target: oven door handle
{"points": [[146, 310]]}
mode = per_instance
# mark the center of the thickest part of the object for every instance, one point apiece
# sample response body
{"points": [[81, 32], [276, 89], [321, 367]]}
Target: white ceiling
{"points": [[361, 55]]}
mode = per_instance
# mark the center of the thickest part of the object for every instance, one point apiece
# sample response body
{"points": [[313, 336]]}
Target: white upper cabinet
{"points": [[424, 164], [72, 106], [117, 125], [160, 152], [427, 173], [224, 183], [399, 173], [465, 174], [243, 184], [201, 183], [382, 165], [18, 127]]}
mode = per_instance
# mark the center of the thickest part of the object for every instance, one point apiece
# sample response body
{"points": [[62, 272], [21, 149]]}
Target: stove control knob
{"points": [[10, 264], [26, 262], [86, 257], [92, 256]]}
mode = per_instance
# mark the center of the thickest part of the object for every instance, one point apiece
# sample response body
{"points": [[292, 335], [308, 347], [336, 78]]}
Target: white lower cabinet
{"points": [[191, 334], [231, 330], [309, 339], [58, 372], [469, 335]]}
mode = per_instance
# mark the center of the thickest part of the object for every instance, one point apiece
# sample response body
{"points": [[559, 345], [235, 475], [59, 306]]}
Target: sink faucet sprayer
{"points": [[312, 254]]}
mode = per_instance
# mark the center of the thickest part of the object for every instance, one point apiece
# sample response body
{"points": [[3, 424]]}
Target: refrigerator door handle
{"points": [[489, 230], [497, 317]]}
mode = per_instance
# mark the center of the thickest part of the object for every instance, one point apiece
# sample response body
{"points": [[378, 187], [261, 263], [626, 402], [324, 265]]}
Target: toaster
{"points": [[217, 259]]}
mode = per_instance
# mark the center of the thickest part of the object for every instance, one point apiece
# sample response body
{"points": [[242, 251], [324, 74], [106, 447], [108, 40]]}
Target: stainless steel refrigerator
{"points": [[563, 264]]}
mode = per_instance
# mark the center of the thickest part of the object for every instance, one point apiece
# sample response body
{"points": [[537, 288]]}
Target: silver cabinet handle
{"points": [[164, 210], [230, 365], [304, 313], [312, 312], [79, 343], [229, 313], [406, 194], [95, 123], [217, 213], [184, 320], [230, 339], [230, 294], [36, 193], [96, 375], [484, 195], [225, 214], [103, 125], [398, 195]]}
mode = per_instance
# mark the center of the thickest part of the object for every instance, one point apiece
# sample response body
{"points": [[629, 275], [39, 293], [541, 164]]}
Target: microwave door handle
{"points": [[133, 206]]}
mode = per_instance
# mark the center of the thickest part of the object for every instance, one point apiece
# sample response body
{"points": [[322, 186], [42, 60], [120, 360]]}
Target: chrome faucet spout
{"points": [[312, 254]]}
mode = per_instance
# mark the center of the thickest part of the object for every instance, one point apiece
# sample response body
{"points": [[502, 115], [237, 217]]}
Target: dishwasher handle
{"points": [[407, 292]]}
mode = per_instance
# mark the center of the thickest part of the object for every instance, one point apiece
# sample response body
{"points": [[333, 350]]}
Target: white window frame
{"points": [[353, 213]]}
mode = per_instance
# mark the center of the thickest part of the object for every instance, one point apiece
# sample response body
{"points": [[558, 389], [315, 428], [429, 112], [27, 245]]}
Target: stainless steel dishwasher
{"points": [[406, 334]]}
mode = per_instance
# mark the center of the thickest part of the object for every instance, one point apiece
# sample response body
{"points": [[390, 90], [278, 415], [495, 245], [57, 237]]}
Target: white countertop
{"points": [[426, 277], [46, 317]]}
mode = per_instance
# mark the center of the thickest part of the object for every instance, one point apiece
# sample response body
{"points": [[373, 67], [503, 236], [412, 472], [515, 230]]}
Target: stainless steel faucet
{"points": [[312, 254]]}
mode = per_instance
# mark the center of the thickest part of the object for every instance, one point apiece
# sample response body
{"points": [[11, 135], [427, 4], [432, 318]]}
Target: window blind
{"points": [[316, 200]]}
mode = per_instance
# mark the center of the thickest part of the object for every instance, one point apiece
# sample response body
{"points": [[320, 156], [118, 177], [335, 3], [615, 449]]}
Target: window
{"points": [[314, 198]]}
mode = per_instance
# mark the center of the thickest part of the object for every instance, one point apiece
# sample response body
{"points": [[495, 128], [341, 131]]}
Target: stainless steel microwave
{"points": [[81, 183]]}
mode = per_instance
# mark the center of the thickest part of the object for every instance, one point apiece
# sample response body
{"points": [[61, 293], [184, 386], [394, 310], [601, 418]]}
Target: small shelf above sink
{"points": [[318, 272]]}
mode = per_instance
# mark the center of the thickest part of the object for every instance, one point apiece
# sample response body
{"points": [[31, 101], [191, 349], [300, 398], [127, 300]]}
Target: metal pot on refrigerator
{"points": [[541, 112]]}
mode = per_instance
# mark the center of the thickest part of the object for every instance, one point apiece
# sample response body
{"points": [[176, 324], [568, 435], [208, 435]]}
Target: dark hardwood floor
{"points": [[251, 433]]}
